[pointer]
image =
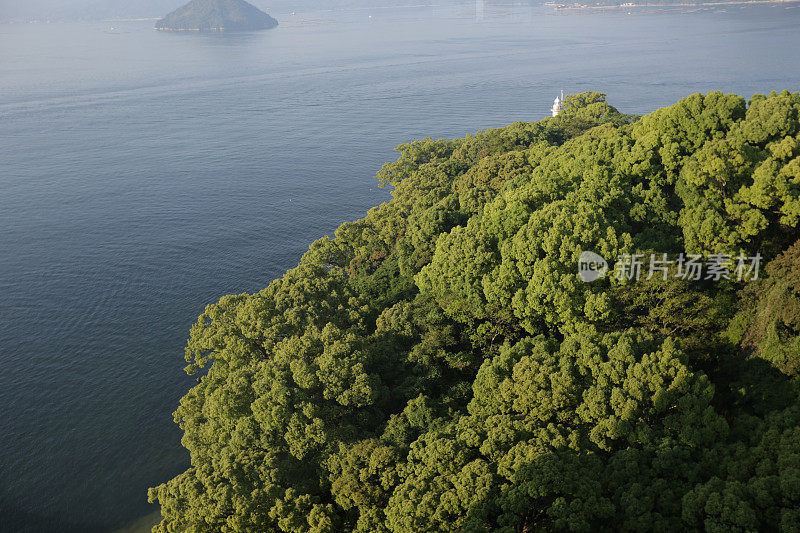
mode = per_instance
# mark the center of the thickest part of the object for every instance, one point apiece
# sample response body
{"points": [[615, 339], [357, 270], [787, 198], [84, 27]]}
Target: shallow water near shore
{"points": [[145, 174]]}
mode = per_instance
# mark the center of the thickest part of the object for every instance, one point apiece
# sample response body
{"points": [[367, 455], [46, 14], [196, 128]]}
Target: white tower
{"points": [[556, 109]]}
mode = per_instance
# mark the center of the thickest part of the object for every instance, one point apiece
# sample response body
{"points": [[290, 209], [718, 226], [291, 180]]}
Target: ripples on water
{"points": [[143, 175]]}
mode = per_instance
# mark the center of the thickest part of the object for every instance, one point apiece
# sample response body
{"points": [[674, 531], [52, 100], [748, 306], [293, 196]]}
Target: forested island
{"points": [[439, 365], [216, 15]]}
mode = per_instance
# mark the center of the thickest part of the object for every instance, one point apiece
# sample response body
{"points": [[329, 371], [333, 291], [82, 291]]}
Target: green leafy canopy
{"points": [[439, 366]]}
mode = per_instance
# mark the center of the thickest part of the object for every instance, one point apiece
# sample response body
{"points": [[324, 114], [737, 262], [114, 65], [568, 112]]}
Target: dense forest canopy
{"points": [[439, 365]]}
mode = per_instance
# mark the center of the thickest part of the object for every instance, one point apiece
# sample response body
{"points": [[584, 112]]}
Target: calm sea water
{"points": [[143, 175]]}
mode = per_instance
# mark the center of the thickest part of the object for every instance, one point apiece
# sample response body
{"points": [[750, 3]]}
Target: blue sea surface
{"points": [[143, 175]]}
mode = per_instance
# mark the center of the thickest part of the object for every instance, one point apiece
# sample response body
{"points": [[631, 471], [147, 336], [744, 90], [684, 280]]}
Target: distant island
{"points": [[216, 15]]}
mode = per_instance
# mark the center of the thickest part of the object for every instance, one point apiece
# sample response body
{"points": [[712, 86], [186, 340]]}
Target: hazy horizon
{"points": [[65, 10]]}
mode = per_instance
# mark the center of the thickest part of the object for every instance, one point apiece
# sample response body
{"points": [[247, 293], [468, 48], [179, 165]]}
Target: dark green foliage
{"points": [[769, 324], [439, 366]]}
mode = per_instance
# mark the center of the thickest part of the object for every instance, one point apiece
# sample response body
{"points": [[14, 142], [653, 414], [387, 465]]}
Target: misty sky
{"points": [[99, 9], [82, 8]]}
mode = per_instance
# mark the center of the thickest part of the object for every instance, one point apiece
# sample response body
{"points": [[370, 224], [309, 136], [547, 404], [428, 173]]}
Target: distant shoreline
{"points": [[667, 6], [555, 6], [191, 29]]}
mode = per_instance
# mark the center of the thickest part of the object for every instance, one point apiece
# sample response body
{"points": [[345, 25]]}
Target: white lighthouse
{"points": [[556, 109]]}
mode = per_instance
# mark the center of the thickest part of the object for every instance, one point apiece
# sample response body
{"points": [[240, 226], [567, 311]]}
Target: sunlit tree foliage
{"points": [[439, 366]]}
